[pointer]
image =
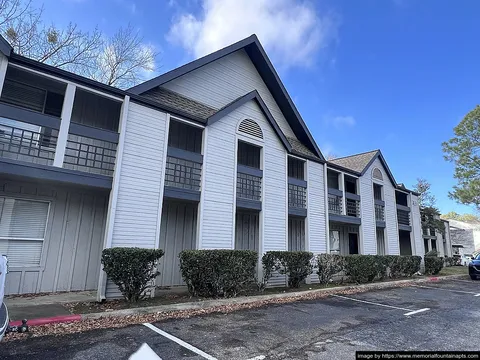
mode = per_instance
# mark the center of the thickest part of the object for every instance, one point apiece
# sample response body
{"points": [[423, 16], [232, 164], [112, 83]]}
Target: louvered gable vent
{"points": [[251, 128]]}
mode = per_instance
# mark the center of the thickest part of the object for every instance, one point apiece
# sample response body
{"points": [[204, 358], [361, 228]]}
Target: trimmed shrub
{"points": [[297, 265], [450, 261], [433, 265], [269, 265], [432, 253], [404, 265], [329, 265], [362, 268], [214, 273], [132, 270]]}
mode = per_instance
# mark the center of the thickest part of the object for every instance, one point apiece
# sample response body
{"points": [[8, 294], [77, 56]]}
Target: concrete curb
{"points": [[49, 320], [206, 304]]}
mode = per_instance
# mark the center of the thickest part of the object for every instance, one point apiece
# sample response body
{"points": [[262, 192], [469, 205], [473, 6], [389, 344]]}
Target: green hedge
{"points": [[214, 273], [433, 265], [362, 268], [450, 261], [366, 268], [329, 265], [131, 269], [297, 265]]}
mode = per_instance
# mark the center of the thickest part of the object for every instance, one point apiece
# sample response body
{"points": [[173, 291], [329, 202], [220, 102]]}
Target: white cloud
{"points": [[292, 31], [340, 121]]}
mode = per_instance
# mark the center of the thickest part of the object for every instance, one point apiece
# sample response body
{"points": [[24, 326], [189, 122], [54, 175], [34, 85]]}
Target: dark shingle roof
{"points": [[170, 98], [357, 162], [300, 149]]}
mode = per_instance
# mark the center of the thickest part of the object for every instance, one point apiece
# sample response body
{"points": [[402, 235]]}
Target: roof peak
{"points": [[362, 153]]}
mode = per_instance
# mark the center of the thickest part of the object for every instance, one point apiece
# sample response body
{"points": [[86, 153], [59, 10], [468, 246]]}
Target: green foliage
{"points": [[131, 269], [269, 265], [214, 273], [362, 268], [426, 198], [450, 261], [452, 215], [297, 265], [464, 151], [433, 265], [404, 265], [432, 253], [329, 265]]}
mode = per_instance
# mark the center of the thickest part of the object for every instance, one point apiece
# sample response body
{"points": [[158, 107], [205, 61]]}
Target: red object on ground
{"points": [[50, 320], [433, 279]]}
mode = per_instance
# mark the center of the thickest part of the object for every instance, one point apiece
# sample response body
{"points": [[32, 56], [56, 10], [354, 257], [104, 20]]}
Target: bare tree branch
{"points": [[122, 60]]}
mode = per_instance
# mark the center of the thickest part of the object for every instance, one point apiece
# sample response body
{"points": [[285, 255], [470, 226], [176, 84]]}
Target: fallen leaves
{"points": [[123, 321]]}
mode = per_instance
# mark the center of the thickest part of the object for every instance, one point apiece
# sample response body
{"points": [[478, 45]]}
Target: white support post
{"points": [[112, 202], [3, 71], [64, 125], [342, 187], [327, 212]]}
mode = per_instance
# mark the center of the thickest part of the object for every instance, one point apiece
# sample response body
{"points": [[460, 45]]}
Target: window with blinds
{"points": [[22, 230]]}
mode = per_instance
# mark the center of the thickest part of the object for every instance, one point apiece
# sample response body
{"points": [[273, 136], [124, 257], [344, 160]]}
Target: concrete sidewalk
{"points": [[49, 308], [44, 306]]}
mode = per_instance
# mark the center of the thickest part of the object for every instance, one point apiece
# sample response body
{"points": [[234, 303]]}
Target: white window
{"points": [[22, 230]]}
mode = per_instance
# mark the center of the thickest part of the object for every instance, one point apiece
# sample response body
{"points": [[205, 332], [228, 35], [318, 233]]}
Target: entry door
{"points": [[352, 243], [177, 233]]}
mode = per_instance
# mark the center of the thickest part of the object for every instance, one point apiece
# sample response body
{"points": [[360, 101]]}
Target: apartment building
{"points": [[211, 155]]}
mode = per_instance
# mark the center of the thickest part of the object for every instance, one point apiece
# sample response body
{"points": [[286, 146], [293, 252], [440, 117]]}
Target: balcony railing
{"points": [[182, 173], [249, 186], [335, 204], [297, 193], [27, 142], [379, 212], [403, 217], [353, 207], [90, 155]]}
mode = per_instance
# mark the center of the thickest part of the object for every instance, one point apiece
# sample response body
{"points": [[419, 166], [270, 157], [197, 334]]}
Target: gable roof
{"points": [[359, 163], [262, 63], [170, 98], [253, 95]]}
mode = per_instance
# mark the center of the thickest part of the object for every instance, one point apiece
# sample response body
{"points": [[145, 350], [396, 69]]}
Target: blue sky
{"points": [[397, 75]]}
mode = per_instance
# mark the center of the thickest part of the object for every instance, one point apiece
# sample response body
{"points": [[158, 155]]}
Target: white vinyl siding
{"points": [[368, 240], [316, 208], [219, 185], [418, 248], [224, 80], [22, 230], [392, 246], [138, 201]]}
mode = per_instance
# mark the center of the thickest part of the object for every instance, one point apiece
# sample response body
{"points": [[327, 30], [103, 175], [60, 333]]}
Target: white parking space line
{"points": [[451, 290], [180, 342], [410, 312], [416, 311], [259, 357]]}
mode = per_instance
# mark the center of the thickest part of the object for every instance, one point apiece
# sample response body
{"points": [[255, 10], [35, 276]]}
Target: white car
{"points": [[465, 259], [3, 307]]}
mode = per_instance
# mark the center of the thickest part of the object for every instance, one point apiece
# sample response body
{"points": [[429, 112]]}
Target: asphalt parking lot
{"points": [[431, 316]]}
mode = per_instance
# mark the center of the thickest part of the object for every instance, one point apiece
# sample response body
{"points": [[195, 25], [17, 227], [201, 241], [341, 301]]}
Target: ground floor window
{"points": [[434, 244], [23, 224]]}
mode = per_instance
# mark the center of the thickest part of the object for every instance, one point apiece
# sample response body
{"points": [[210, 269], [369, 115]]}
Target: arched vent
{"points": [[251, 128], [377, 174]]}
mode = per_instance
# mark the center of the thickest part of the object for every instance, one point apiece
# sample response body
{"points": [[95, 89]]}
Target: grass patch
{"points": [[454, 270]]}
